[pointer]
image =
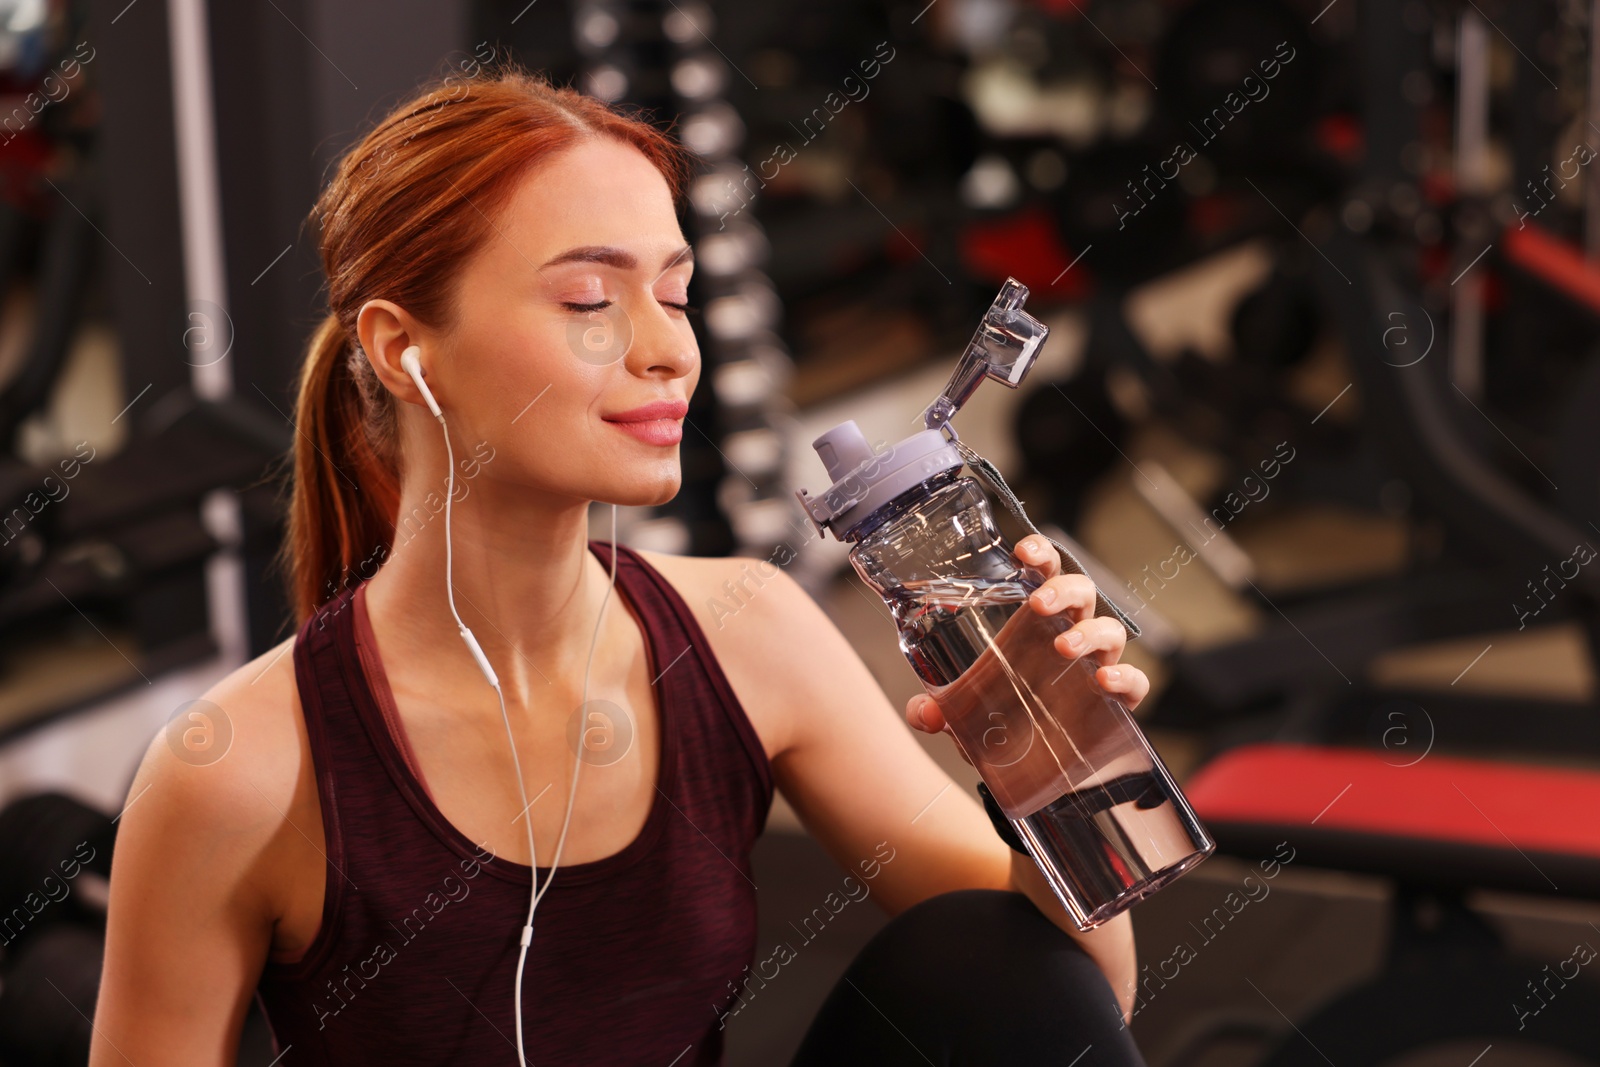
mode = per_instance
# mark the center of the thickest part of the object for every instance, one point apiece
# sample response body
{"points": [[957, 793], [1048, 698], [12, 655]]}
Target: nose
{"points": [[664, 343]]}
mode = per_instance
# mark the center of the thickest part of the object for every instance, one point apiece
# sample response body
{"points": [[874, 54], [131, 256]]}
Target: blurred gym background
{"points": [[1320, 405]]}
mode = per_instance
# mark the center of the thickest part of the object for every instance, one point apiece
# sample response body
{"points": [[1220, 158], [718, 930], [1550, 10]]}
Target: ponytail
{"points": [[346, 482]]}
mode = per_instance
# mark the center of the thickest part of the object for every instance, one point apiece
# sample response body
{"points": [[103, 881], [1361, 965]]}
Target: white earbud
{"points": [[413, 365]]}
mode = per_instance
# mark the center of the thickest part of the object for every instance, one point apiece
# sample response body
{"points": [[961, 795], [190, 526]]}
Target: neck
{"points": [[525, 583]]}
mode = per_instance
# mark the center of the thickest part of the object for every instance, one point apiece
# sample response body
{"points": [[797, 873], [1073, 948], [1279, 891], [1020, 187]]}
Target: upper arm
{"points": [[191, 911], [855, 775]]}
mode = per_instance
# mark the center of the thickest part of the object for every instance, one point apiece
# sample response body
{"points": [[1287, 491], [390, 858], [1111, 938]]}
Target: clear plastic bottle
{"points": [[1098, 811], [1065, 760]]}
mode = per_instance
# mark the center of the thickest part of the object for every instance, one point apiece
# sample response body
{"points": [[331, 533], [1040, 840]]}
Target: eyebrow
{"points": [[617, 257]]}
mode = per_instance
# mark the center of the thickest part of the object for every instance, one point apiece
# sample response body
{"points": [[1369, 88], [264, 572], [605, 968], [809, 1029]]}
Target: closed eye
{"points": [[685, 308]]}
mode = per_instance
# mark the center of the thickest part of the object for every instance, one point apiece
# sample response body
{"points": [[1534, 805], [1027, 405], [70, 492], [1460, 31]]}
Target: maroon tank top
{"points": [[634, 957]]}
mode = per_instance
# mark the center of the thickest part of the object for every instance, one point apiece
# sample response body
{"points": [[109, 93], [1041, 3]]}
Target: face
{"points": [[569, 318]]}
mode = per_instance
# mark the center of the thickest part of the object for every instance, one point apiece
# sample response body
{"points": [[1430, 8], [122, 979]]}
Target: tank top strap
{"points": [[714, 723], [342, 750]]}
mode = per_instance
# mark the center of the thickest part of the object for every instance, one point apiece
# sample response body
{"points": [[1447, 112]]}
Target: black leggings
{"points": [[971, 978]]}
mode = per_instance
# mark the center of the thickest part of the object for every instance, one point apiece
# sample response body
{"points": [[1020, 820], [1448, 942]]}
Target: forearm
{"points": [[1110, 944]]}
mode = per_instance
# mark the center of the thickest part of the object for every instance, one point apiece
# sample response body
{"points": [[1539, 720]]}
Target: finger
{"points": [[923, 713], [1103, 636], [1070, 593], [1036, 551], [1130, 684]]}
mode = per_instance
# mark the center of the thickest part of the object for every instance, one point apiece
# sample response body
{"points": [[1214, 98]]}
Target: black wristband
{"points": [[1002, 825]]}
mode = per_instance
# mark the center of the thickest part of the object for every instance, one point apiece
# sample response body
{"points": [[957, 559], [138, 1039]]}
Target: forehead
{"points": [[599, 192]]}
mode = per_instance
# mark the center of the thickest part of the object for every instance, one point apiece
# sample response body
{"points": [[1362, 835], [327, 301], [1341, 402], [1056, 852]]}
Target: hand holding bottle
{"points": [[1072, 595]]}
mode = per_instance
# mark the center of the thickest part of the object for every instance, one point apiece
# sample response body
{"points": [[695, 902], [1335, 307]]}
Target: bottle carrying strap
{"points": [[1002, 825], [990, 476]]}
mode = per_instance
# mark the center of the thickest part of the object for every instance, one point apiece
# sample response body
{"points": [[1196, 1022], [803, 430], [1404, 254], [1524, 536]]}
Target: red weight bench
{"points": [[1439, 826]]}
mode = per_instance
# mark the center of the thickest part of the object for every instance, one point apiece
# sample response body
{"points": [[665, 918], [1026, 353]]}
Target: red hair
{"points": [[406, 208]]}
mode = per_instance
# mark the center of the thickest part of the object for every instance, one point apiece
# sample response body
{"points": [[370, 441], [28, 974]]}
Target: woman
{"points": [[358, 857]]}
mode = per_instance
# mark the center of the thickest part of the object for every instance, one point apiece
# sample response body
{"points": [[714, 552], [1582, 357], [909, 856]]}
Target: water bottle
{"points": [[1096, 808]]}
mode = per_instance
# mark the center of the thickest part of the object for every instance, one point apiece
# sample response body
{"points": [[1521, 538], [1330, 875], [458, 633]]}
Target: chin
{"points": [[642, 494]]}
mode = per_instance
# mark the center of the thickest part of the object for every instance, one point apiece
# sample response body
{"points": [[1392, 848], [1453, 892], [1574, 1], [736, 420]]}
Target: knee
{"points": [[983, 974], [990, 937], [976, 916]]}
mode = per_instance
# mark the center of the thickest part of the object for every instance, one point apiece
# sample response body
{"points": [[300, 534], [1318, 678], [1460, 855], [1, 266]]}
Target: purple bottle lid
{"points": [[865, 480]]}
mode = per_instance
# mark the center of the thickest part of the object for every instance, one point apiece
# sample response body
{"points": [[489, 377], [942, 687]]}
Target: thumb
{"points": [[923, 713]]}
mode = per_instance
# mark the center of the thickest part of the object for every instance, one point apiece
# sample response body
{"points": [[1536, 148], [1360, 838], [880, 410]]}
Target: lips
{"points": [[656, 423], [659, 409]]}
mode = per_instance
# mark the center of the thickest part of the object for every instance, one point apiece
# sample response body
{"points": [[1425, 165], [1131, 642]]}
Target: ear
{"points": [[385, 331]]}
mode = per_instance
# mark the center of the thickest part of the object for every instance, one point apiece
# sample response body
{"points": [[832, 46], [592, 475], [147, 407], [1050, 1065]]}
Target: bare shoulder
{"points": [[748, 609], [259, 707], [735, 599], [226, 776], [216, 866]]}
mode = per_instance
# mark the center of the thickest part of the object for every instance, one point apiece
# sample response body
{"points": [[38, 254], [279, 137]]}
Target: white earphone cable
{"points": [[535, 894]]}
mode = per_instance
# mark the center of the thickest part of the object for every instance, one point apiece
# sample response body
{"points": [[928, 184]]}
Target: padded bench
{"points": [[1438, 827], [1438, 821]]}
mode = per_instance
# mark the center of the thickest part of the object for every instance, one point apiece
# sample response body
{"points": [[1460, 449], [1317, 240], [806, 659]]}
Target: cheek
{"points": [[524, 378]]}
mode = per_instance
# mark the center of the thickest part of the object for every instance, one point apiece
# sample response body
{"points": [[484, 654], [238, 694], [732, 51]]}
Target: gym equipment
{"points": [[114, 536], [52, 922], [54, 846], [1439, 824], [48, 997], [25, 520], [1417, 443], [1209, 49], [1067, 435], [53, 892], [1275, 325], [1440, 827], [66, 256], [128, 537]]}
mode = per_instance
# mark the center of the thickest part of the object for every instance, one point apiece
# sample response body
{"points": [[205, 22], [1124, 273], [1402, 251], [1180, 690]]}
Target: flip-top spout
{"points": [[1003, 348], [866, 477]]}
